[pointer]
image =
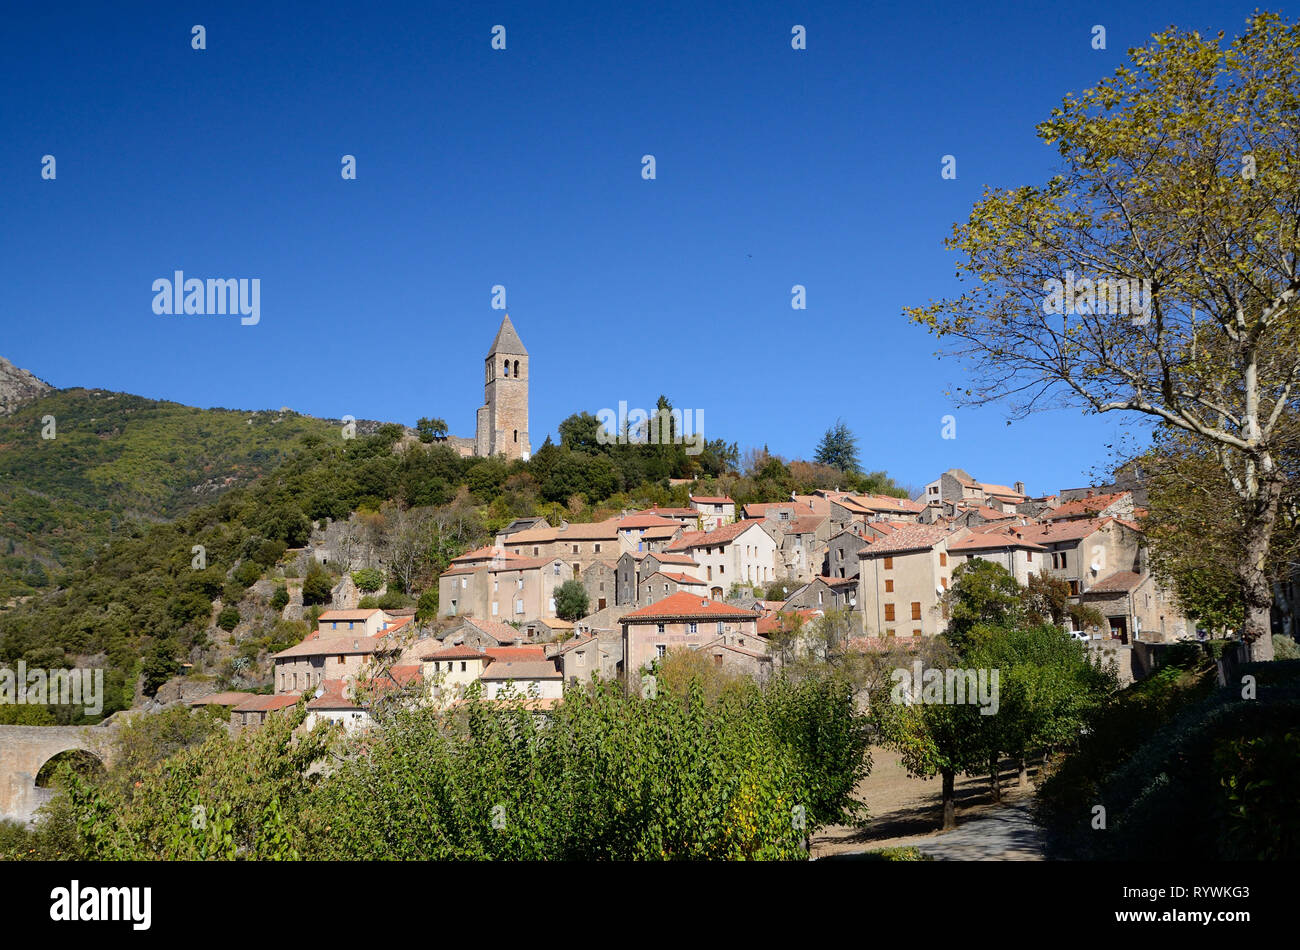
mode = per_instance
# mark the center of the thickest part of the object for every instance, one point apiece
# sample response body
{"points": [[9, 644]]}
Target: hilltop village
{"points": [[695, 578]]}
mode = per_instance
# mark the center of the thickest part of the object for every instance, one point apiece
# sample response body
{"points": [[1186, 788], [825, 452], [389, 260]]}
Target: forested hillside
{"points": [[77, 465], [139, 604]]}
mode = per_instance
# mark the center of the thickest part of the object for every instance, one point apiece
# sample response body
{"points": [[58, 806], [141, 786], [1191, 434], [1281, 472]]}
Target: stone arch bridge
{"points": [[24, 750]]}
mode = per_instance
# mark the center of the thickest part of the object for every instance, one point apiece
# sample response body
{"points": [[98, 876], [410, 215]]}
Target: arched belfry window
{"points": [[516, 368], [506, 369]]}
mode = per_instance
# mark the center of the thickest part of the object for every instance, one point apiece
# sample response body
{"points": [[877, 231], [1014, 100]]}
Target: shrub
{"points": [[228, 619], [571, 600], [368, 580], [317, 586], [1285, 648], [280, 599]]}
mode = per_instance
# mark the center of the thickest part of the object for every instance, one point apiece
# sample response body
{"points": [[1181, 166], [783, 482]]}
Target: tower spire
{"points": [[507, 340]]}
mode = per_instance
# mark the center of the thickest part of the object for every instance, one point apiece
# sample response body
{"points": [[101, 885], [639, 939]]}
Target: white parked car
{"points": [[1079, 635]]}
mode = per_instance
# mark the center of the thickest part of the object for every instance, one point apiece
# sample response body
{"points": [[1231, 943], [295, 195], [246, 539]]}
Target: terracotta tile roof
{"points": [[523, 670], [521, 654], [483, 554], [1118, 582], [989, 514], [456, 652], [268, 703], [397, 623], [334, 695], [837, 581], [664, 557], [561, 648], [912, 537], [704, 539], [555, 623], [591, 531], [645, 520], [712, 499], [1055, 532], [1081, 507], [538, 535], [872, 504], [501, 632], [687, 606], [885, 527], [989, 540], [1003, 491], [325, 646], [673, 512], [353, 615], [679, 578], [804, 524], [769, 625]]}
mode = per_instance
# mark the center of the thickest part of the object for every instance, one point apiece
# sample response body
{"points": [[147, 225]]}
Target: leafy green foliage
{"points": [[571, 601], [117, 459], [606, 776], [368, 579]]}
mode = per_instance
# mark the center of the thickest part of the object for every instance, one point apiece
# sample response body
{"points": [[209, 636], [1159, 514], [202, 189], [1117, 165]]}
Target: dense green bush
{"points": [[605, 775], [280, 598]]}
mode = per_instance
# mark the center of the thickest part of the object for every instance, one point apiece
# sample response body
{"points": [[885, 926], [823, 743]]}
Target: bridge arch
{"points": [[25, 750]]}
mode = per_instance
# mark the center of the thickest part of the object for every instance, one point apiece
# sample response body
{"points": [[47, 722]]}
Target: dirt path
{"points": [[907, 812]]}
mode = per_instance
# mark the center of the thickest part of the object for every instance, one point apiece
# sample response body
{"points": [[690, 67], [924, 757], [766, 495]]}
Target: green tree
{"points": [[228, 619], [368, 579], [983, 596], [317, 586], [280, 597], [1177, 195], [431, 430], [839, 448], [571, 601]]}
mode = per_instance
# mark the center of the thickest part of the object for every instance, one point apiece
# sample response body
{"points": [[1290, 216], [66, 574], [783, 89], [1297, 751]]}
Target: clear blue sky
{"points": [[523, 168]]}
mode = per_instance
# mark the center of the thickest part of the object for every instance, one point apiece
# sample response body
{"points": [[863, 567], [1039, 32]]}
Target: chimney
{"points": [[1019, 487]]}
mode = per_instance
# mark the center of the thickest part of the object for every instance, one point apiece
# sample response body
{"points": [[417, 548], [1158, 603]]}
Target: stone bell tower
{"points": [[503, 419]]}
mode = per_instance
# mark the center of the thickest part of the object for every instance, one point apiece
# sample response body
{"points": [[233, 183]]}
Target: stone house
{"points": [[1137, 607], [540, 678], [825, 593], [842, 551], [599, 580], [632, 566], [739, 553], [663, 584], [684, 620], [304, 667], [251, 713], [715, 510], [737, 660], [582, 658], [1018, 555], [902, 581], [509, 588]]}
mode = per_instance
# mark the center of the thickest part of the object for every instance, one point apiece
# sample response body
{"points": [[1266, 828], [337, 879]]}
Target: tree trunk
{"points": [[1253, 572], [949, 800], [1024, 773], [995, 779]]}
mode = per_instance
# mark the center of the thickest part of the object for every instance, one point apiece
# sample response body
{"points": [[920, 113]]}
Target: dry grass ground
{"points": [[909, 811]]}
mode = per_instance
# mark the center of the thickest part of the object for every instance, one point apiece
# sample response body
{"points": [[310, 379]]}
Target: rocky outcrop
{"points": [[17, 386]]}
